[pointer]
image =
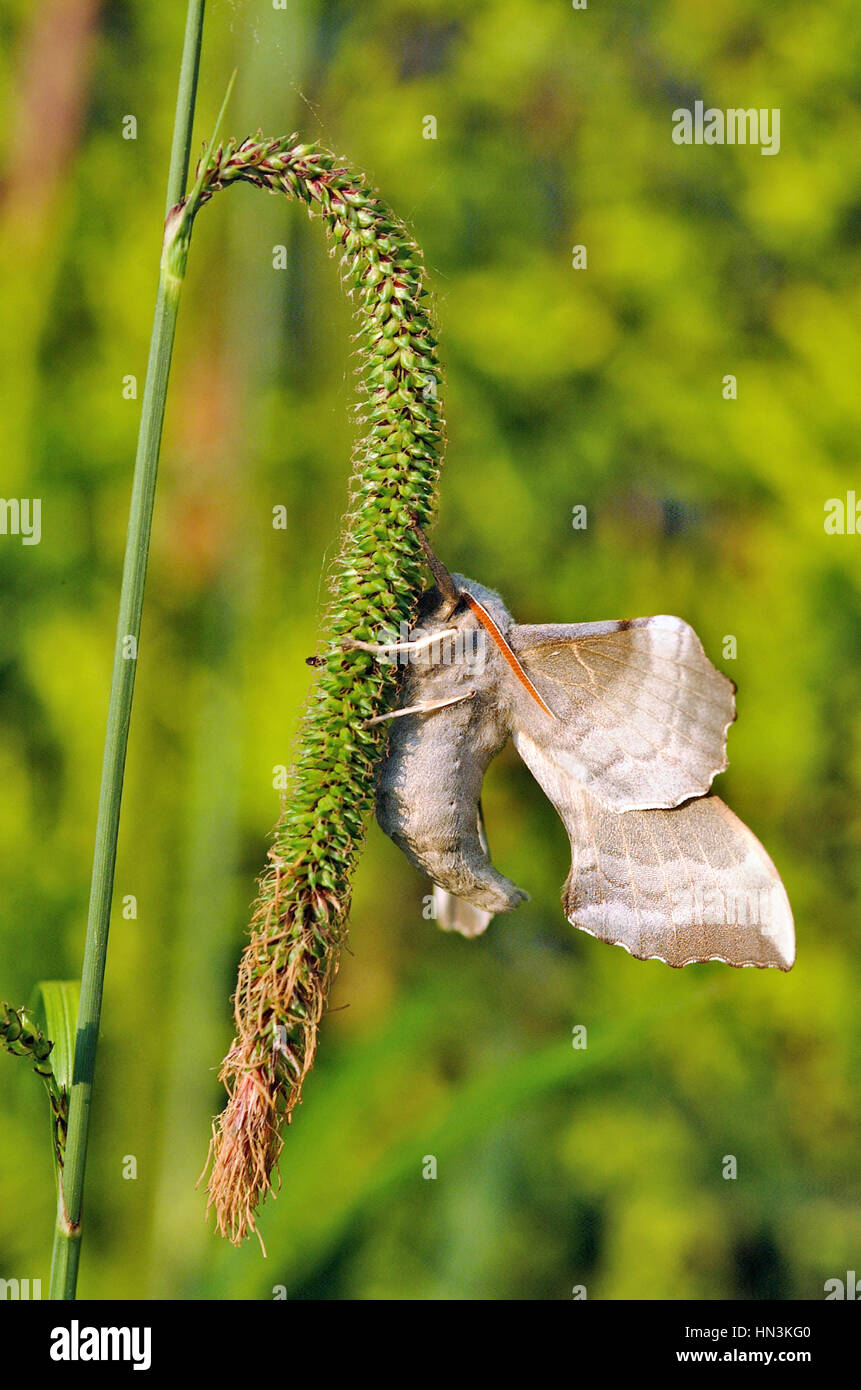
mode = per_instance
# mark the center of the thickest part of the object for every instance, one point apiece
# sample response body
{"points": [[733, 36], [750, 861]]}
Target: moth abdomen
{"points": [[427, 801]]}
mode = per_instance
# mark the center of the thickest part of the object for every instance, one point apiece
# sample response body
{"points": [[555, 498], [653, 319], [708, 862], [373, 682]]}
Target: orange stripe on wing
{"points": [[490, 626]]}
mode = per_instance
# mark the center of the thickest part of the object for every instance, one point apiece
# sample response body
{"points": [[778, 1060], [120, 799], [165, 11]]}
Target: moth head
{"points": [[488, 598], [451, 609]]}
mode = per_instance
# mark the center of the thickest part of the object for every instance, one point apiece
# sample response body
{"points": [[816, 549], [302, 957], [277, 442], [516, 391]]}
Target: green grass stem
{"points": [[68, 1237]]}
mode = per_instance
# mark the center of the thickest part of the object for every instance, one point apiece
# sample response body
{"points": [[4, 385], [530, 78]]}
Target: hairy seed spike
{"points": [[299, 920]]}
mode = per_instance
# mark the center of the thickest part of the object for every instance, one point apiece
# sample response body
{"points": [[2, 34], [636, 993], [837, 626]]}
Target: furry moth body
{"points": [[430, 783], [623, 725]]}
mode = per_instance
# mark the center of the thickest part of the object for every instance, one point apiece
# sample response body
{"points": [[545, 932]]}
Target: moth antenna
{"points": [[444, 582]]}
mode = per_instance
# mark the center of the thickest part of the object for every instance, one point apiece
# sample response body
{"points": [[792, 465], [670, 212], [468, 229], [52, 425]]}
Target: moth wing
{"points": [[456, 914], [683, 885], [641, 713]]}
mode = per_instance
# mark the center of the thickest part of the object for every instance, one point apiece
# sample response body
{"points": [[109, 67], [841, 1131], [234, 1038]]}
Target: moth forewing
{"points": [[641, 713]]}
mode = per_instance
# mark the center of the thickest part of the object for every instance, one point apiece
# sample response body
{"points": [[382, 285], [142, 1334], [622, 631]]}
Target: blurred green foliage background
{"points": [[600, 387]]}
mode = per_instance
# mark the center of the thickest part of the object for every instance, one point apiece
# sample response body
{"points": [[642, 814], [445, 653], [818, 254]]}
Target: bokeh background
{"points": [[600, 387]]}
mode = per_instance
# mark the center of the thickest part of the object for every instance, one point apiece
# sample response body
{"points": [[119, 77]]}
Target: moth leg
{"points": [[387, 648], [426, 708]]}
